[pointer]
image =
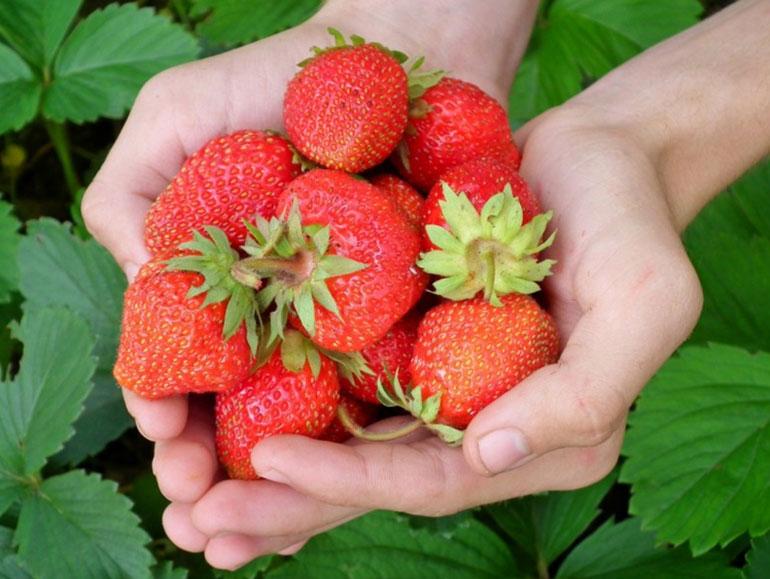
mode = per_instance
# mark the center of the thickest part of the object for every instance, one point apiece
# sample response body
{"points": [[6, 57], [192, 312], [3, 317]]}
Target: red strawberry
{"points": [[480, 180], [347, 108], [273, 400], [452, 123], [352, 274], [403, 194], [231, 179], [389, 356], [171, 343], [359, 412], [470, 353]]}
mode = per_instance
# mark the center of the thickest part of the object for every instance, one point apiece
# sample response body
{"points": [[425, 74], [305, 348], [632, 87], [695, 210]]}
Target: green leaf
{"points": [[35, 28], [10, 568], [19, 91], [9, 241], [88, 282], [231, 22], [576, 40], [729, 244], [758, 559], [384, 545], [166, 570], [624, 551], [108, 57], [545, 525], [698, 448], [38, 408], [78, 525]]}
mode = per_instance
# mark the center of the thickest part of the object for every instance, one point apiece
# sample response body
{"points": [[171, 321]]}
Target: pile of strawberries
{"points": [[289, 274]]}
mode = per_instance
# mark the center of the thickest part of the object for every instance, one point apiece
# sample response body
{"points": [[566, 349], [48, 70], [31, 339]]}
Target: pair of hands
{"points": [[624, 296]]}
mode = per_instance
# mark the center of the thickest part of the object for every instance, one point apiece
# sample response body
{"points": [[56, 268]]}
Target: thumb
{"points": [[583, 399]]}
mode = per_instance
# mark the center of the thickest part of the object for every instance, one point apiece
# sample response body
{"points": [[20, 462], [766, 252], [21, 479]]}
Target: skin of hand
{"points": [[625, 166], [182, 108]]}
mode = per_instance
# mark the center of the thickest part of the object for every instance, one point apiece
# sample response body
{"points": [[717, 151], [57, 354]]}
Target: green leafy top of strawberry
{"points": [[419, 81], [213, 258], [490, 251], [295, 260]]}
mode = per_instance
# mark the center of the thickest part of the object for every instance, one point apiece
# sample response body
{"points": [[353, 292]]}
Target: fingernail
{"points": [[501, 450], [274, 475], [130, 269]]}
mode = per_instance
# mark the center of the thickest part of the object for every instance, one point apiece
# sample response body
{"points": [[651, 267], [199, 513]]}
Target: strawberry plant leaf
{"points": [[624, 551], [166, 570], [9, 241], [381, 545], [108, 57], [758, 559], [36, 28], [729, 244], [19, 91], [37, 409], [575, 40], [253, 570], [698, 448], [77, 513], [231, 22], [88, 282], [545, 525], [10, 568]]}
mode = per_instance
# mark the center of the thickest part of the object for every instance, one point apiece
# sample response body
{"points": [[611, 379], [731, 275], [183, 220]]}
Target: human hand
{"points": [[182, 108]]}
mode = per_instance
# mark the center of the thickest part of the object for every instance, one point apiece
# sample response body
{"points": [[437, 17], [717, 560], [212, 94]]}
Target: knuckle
{"points": [[155, 89], [595, 464], [595, 412]]}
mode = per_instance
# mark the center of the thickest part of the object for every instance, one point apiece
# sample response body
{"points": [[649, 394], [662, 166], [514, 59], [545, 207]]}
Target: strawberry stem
{"points": [[292, 271], [356, 430]]}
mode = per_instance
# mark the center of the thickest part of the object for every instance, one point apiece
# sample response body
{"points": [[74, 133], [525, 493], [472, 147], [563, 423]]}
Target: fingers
{"points": [[181, 531], [264, 508], [186, 466], [157, 419], [425, 477]]}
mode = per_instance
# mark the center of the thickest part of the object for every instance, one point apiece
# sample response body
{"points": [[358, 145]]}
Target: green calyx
{"points": [[297, 352], [213, 258], [490, 251], [290, 265], [425, 411]]}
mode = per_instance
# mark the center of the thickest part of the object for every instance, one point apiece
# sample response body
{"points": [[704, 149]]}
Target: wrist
{"points": [[481, 42]]}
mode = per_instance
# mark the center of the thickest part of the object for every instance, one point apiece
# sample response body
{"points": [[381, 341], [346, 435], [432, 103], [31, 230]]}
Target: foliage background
{"points": [[690, 498]]}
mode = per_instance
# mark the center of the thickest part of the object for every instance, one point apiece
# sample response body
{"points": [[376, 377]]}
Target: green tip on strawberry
{"points": [[297, 352], [355, 40], [490, 251], [214, 258], [295, 260]]}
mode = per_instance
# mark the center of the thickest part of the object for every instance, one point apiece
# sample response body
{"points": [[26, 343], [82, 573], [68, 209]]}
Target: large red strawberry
{"points": [[406, 197], [346, 267], [231, 179], [389, 356], [176, 340], [359, 412], [470, 353], [347, 108], [480, 180], [273, 400], [453, 122]]}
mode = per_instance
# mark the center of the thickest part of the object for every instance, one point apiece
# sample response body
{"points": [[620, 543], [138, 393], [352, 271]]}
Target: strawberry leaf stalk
{"points": [[296, 261], [490, 252], [213, 258]]}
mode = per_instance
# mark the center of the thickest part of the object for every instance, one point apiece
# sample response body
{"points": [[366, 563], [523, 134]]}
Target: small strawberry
{"points": [[230, 179], [347, 108], [406, 197], [275, 400], [345, 266], [453, 122], [359, 412], [489, 250], [470, 353], [480, 180], [174, 339], [389, 356]]}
